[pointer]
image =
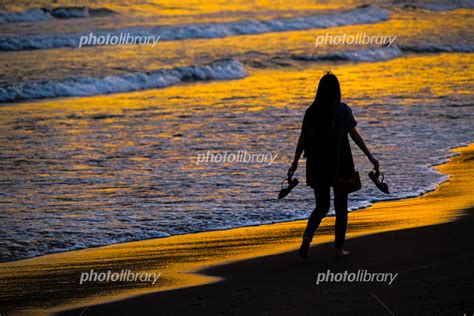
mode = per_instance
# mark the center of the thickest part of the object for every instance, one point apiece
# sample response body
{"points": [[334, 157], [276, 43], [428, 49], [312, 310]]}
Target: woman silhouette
{"points": [[326, 124]]}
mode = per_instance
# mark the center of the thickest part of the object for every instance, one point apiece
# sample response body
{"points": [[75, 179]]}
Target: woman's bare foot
{"points": [[342, 253], [303, 252]]}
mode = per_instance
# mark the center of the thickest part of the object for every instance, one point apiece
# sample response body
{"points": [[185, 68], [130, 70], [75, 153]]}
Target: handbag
{"points": [[347, 185]]}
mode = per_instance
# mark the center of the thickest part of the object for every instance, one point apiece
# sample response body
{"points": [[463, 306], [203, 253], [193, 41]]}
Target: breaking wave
{"points": [[442, 6], [43, 14], [386, 53], [85, 86], [360, 15], [435, 48], [365, 55]]}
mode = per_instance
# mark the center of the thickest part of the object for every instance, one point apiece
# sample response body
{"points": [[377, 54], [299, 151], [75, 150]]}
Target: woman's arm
{"points": [[360, 142], [298, 152]]}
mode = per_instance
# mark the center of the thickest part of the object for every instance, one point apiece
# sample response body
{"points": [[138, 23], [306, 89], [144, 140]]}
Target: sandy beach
{"points": [[434, 278], [399, 234]]}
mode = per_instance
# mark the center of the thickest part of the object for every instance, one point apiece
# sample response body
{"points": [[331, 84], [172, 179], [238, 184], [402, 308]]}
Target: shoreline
{"points": [[179, 257], [430, 276], [451, 153]]}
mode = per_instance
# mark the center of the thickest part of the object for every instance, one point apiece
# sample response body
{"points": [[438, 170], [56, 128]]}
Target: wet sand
{"points": [[276, 283]]}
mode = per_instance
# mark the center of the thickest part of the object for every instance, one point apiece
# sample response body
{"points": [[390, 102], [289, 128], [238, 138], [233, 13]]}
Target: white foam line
{"points": [[362, 15]]}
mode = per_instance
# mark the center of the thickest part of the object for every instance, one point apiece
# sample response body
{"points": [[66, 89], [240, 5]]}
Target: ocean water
{"points": [[100, 144]]}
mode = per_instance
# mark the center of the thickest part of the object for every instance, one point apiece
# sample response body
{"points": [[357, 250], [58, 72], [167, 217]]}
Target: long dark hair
{"points": [[329, 91], [328, 94]]}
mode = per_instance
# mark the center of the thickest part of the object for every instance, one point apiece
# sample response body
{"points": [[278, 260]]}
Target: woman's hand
{"points": [[292, 169], [374, 161]]}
